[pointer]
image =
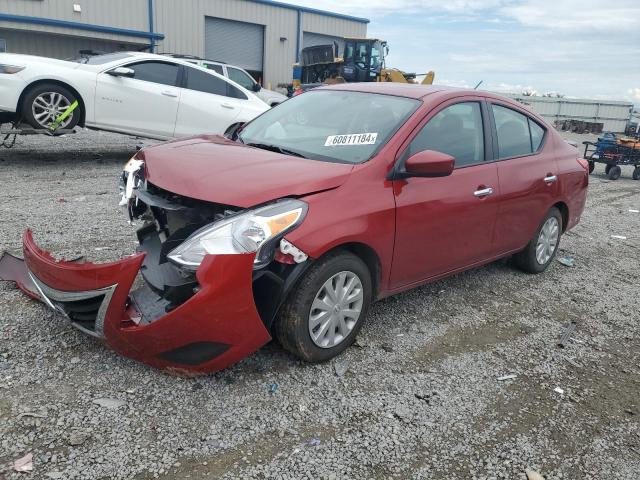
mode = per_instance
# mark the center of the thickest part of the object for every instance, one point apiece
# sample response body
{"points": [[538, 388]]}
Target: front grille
{"points": [[85, 309]]}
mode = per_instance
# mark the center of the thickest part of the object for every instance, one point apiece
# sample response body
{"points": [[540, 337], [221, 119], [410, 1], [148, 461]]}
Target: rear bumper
{"points": [[216, 327]]}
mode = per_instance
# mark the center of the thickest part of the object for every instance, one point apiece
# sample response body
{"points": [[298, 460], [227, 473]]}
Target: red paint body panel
{"points": [[222, 311], [215, 169], [441, 226]]}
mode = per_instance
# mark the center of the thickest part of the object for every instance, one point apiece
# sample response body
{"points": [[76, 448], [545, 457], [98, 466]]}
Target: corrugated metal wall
{"points": [[613, 114], [182, 22], [184, 30], [58, 46], [129, 14]]}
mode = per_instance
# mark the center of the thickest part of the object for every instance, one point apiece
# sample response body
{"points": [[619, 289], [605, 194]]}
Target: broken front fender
{"points": [[217, 326]]}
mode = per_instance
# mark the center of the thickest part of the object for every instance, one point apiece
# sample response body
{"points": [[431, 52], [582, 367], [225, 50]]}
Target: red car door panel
{"points": [[441, 225], [528, 179], [446, 223]]}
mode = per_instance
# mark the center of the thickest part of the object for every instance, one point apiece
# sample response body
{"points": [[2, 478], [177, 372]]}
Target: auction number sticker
{"points": [[351, 139]]}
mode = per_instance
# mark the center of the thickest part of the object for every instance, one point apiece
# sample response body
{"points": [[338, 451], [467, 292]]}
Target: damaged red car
{"points": [[293, 225]]}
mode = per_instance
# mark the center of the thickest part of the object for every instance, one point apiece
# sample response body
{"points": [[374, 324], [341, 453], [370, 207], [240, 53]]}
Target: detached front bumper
{"points": [[218, 326]]}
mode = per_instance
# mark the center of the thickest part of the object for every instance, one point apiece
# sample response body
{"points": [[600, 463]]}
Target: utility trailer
{"points": [[9, 135], [614, 153]]}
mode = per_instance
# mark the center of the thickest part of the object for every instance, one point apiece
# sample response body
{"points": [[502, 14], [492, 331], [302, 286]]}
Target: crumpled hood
{"points": [[215, 169]]}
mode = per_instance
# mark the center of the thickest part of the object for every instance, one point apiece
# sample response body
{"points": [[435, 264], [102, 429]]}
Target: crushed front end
{"points": [[174, 304]]}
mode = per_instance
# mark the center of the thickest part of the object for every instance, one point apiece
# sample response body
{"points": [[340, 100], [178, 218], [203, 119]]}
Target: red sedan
{"points": [[295, 224]]}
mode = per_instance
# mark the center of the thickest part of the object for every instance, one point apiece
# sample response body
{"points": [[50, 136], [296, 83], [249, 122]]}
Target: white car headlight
{"points": [[250, 231]]}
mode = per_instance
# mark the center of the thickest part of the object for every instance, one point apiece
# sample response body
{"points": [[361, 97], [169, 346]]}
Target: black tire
{"points": [[607, 169], [592, 166], [49, 88], [614, 172], [526, 259], [291, 328], [636, 173]]}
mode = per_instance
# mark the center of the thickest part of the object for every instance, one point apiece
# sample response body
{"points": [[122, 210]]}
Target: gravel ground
{"points": [[421, 397]]}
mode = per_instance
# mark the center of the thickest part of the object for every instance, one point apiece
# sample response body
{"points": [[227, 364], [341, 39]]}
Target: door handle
{"points": [[550, 179], [228, 105], [169, 93], [483, 192]]}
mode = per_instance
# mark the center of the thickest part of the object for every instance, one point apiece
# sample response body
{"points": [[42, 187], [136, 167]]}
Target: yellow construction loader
{"points": [[363, 60]]}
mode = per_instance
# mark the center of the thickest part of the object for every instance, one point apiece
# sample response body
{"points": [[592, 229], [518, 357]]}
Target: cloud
{"points": [[580, 48]]}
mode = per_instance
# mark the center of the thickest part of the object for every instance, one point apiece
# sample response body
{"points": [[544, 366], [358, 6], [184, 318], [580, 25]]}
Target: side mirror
{"points": [[257, 87], [122, 72], [428, 163]]}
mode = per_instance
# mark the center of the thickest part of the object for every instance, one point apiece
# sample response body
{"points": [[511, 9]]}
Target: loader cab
{"points": [[363, 59]]}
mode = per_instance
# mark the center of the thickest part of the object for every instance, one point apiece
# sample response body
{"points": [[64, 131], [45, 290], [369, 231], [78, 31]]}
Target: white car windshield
{"points": [[330, 125]]}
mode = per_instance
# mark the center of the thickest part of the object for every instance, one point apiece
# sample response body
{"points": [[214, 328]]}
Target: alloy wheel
{"points": [[547, 240], [48, 106], [336, 309]]}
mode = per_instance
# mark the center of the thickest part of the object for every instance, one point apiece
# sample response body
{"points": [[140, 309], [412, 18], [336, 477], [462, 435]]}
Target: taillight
{"points": [[297, 92], [584, 163]]}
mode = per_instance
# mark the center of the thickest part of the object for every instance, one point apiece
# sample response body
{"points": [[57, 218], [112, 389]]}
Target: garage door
{"points": [[238, 43], [310, 39]]}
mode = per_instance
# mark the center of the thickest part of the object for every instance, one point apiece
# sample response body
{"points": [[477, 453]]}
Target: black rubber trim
{"points": [[195, 353]]}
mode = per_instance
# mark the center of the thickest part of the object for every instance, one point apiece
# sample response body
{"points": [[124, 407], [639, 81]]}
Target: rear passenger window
{"points": [[156, 72], [205, 82], [457, 131], [537, 134], [517, 133]]}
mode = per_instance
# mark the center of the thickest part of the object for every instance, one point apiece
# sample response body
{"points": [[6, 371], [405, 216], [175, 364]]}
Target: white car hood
{"points": [[19, 59]]}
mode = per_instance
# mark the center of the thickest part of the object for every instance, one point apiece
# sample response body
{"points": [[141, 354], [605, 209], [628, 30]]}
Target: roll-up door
{"points": [[237, 43]]}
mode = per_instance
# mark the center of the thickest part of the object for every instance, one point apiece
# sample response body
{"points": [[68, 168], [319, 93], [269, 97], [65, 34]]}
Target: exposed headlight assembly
{"points": [[9, 69], [258, 230]]}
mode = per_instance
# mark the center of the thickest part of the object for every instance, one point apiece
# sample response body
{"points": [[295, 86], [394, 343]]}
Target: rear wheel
{"points": [[636, 173], [592, 165], [324, 313], [542, 248], [614, 172], [46, 102]]}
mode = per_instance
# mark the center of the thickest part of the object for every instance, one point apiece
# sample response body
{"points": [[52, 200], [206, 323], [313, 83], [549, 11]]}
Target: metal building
{"points": [[613, 114], [264, 37]]}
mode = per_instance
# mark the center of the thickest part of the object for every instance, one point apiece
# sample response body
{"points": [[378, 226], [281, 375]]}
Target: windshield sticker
{"points": [[351, 139]]}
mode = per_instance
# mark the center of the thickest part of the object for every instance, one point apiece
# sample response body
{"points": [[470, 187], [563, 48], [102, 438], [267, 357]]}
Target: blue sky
{"points": [[579, 48]]}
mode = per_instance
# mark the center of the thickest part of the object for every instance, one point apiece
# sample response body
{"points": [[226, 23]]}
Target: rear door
{"points": [[145, 104], [527, 174], [208, 103], [445, 224]]}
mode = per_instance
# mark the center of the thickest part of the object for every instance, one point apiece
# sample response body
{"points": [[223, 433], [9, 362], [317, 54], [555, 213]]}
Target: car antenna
{"points": [[479, 83]]}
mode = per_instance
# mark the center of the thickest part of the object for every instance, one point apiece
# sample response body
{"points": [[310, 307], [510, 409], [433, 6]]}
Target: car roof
{"points": [[409, 90], [416, 91]]}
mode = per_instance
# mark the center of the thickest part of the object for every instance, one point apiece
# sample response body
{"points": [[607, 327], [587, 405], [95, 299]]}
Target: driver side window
{"points": [[457, 130]]}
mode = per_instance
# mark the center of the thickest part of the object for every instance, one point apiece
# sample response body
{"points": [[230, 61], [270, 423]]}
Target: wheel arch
{"points": [[368, 255], [564, 210], [60, 83]]}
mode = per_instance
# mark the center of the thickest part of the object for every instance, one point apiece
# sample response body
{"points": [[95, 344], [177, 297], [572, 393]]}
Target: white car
{"points": [[129, 92], [238, 75]]}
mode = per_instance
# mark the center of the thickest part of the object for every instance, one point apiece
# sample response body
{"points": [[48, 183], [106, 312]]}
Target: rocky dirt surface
{"points": [[422, 394]]}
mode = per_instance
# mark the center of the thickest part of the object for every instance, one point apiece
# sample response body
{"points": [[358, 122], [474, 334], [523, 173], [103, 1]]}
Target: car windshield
{"points": [[330, 125]]}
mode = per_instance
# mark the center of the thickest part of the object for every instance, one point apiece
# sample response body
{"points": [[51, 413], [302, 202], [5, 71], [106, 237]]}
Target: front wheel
{"points": [[324, 313], [541, 250], [46, 102], [592, 166], [636, 173]]}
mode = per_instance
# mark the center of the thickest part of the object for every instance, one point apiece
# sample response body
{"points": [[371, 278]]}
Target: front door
{"points": [[146, 104], [447, 223]]}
